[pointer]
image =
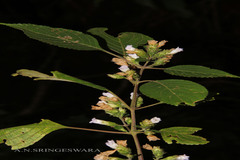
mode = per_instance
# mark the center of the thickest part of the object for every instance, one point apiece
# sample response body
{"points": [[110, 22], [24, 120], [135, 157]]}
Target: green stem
{"points": [[134, 135], [133, 115]]}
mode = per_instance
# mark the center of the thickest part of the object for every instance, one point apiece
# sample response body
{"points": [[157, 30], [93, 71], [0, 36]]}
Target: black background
{"points": [[208, 30]]}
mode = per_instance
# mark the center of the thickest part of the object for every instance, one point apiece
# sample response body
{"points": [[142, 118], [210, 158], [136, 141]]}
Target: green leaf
{"points": [[57, 76], [174, 91], [60, 37], [182, 135], [26, 135], [197, 71], [119, 43]]}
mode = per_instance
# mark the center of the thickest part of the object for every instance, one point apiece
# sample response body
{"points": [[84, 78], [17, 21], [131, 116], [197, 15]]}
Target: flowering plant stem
{"points": [[132, 61], [133, 115]]}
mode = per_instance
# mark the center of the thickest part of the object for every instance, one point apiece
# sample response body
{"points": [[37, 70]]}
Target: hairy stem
{"points": [[133, 124], [134, 135]]}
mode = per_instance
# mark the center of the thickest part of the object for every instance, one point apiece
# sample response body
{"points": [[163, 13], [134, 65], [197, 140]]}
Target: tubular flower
{"points": [[155, 120], [107, 94], [130, 48], [183, 157], [131, 95], [111, 144], [124, 68], [134, 56], [97, 121], [176, 50]]}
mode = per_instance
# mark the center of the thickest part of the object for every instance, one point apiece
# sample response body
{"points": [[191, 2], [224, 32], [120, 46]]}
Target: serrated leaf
{"points": [[182, 135], [57, 76], [197, 71], [60, 37], [175, 91], [119, 43], [26, 135]]}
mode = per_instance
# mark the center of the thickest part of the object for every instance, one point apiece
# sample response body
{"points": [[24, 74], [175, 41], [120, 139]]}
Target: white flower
{"points": [[134, 56], [124, 68], [176, 50], [129, 48], [183, 157], [107, 94], [102, 102], [131, 95], [96, 121], [111, 144], [155, 120]]}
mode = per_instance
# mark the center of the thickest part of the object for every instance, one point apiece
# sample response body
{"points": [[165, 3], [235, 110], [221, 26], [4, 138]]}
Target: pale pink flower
{"points": [[155, 120], [111, 144], [134, 56], [124, 68], [129, 48], [176, 50], [183, 157], [107, 94]]}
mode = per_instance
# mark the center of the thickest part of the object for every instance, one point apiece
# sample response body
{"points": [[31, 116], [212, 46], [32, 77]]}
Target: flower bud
{"points": [[160, 61], [146, 124], [128, 120], [152, 47], [116, 76], [125, 151], [141, 53], [139, 101], [157, 152], [162, 43], [147, 132], [161, 54], [132, 60], [122, 112]]}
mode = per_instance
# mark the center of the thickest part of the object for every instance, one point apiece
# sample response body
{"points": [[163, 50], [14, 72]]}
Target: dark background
{"points": [[208, 30]]}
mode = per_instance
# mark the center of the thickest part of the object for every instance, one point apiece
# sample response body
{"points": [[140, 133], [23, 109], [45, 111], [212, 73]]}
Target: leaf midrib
{"points": [[169, 90]]}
